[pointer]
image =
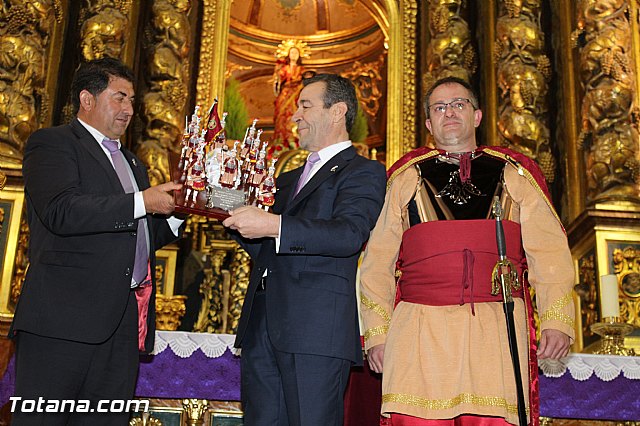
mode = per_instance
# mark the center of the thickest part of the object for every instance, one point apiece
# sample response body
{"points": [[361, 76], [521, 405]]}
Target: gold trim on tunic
{"points": [[444, 404]]}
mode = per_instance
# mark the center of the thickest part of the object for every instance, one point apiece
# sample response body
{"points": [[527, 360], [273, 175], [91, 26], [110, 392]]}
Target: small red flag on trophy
{"points": [[214, 126]]}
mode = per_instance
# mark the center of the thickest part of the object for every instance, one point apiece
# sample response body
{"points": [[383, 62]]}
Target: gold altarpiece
{"points": [[559, 81]]}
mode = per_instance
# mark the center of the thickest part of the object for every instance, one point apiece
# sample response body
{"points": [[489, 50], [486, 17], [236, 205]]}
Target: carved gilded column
{"points": [[397, 142], [167, 78], [30, 45], [226, 279], [104, 31], [104, 28], [398, 21], [523, 72], [450, 52], [604, 236], [214, 290], [609, 134], [489, 102], [213, 52], [409, 13], [26, 32], [240, 269], [568, 112]]}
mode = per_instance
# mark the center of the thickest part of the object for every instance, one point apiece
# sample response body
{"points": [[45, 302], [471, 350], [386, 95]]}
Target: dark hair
{"points": [[94, 76], [337, 89], [473, 96]]}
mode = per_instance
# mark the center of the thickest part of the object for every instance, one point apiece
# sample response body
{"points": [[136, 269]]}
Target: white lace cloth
{"points": [[580, 366], [583, 366], [184, 344]]}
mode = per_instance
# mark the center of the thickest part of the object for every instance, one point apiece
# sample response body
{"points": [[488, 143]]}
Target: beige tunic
{"points": [[442, 361]]}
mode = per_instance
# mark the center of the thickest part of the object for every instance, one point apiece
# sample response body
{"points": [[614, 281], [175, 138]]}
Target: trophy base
{"points": [[183, 198], [199, 208]]}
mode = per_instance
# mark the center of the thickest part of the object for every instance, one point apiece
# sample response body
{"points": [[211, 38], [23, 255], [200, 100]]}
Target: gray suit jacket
{"points": [[311, 296], [83, 238]]}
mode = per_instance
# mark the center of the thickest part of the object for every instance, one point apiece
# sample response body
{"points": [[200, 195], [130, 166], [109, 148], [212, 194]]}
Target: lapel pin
{"points": [[334, 168], [133, 160]]}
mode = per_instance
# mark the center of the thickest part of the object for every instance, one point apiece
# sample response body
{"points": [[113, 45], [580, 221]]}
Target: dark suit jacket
{"points": [[83, 238], [311, 296]]}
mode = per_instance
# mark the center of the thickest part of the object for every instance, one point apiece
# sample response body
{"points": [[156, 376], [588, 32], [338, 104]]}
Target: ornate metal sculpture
{"points": [[103, 32], [24, 36], [586, 290], [626, 264], [21, 263], [450, 51], [169, 311], [367, 79], [226, 278], [167, 78], [523, 75], [241, 268], [609, 132]]}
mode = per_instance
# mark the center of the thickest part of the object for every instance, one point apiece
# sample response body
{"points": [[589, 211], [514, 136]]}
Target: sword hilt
{"points": [[504, 278], [500, 240]]}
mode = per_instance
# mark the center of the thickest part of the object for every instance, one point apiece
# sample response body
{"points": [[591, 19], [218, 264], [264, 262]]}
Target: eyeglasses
{"points": [[457, 104]]}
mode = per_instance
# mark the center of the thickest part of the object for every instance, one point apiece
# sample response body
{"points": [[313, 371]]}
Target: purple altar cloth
{"points": [[594, 399], [8, 381], [166, 375]]}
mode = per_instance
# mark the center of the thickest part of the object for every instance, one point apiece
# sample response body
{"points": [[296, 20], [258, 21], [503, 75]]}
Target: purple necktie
{"points": [[140, 267], [311, 161]]}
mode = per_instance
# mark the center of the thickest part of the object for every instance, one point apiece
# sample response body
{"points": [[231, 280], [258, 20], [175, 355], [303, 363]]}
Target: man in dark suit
{"points": [[299, 326], [87, 305]]}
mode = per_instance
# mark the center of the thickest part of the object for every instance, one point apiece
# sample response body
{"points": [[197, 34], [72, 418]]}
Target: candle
{"points": [[609, 305]]}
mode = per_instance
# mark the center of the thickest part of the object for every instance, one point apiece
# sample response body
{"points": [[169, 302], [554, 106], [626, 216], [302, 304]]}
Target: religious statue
{"points": [[288, 76]]}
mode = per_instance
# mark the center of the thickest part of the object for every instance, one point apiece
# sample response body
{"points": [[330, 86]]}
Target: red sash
{"points": [[450, 262]]}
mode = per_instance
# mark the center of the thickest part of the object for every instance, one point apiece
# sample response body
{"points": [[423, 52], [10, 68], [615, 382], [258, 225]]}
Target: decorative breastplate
{"points": [[457, 187]]}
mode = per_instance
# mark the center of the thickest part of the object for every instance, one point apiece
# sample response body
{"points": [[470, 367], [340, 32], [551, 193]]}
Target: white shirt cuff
{"points": [[277, 239], [138, 205]]}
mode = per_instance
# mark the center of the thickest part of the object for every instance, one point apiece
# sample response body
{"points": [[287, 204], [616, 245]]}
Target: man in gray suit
{"points": [[88, 302], [299, 326]]}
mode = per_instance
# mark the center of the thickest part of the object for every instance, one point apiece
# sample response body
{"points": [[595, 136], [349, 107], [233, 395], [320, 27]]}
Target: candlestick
{"points": [[609, 304], [612, 332]]}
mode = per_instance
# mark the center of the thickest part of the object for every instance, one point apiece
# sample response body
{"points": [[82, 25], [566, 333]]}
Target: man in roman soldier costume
{"points": [[431, 323], [258, 172], [195, 170], [220, 141], [247, 143], [267, 189], [189, 141], [230, 168]]}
